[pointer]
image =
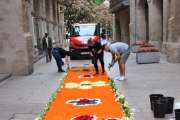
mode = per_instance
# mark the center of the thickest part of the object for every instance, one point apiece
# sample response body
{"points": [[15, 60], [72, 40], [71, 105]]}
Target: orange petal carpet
{"points": [[95, 92]]}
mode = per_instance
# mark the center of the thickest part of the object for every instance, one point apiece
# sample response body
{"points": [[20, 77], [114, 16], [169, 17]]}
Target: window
{"points": [[84, 30]]}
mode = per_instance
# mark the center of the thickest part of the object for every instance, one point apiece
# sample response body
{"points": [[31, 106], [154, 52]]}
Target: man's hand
{"points": [[97, 55], [68, 68], [112, 64]]}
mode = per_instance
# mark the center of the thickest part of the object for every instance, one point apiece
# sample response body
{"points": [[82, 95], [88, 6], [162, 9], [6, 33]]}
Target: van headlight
{"points": [[72, 43]]}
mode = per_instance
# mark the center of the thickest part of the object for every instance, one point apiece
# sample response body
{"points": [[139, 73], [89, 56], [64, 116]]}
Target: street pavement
{"points": [[24, 97]]}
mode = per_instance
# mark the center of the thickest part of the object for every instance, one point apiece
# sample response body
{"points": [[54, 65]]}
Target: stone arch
{"points": [[142, 21], [118, 30]]}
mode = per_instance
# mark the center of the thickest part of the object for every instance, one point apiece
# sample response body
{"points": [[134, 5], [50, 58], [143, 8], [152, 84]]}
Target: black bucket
{"points": [[170, 104], [154, 97], [159, 108], [177, 114]]}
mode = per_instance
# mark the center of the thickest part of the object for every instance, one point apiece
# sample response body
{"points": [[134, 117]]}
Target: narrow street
{"points": [[24, 97]]}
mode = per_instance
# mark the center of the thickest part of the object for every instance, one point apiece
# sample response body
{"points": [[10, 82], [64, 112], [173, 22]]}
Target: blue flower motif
{"points": [[75, 70], [85, 70], [95, 70], [91, 102]]}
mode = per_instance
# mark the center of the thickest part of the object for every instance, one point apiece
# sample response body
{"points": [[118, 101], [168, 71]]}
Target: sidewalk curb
{"points": [[40, 57], [5, 77]]}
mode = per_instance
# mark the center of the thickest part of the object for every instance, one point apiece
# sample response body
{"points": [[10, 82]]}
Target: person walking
{"points": [[122, 52], [58, 54], [96, 52], [47, 47]]}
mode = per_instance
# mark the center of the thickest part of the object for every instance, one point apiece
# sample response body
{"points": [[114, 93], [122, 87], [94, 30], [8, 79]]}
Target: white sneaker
{"points": [[122, 78], [118, 78]]}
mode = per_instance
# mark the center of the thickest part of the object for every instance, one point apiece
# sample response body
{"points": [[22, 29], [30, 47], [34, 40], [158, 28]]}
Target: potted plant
{"points": [[136, 46], [147, 56], [147, 46], [39, 46]]}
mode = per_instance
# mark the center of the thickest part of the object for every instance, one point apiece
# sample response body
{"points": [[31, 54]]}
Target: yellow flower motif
{"points": [[99, 83], [86, 84], [72, 85]]}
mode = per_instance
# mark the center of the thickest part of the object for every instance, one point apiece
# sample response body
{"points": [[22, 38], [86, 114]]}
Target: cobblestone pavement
{"points": [[24, 97]]}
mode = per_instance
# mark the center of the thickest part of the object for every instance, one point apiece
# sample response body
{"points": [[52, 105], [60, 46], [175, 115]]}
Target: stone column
{"points": [[16, 44], [131, 25], [61, 19], [166, 16], [155, 23], [141, 22], [49, 17], [173, 54], [114, 26]]}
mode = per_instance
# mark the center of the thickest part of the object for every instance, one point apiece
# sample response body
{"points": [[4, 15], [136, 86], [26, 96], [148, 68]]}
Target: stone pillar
{"points": [[141, 26], [173, 54], [61, 20], [16, 51], [49, 17], [155, 23], [114, 27], [131, 25], [166, 16], [43, 18]]}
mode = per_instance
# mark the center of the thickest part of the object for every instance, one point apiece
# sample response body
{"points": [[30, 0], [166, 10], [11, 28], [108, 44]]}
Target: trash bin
{"points": [[177, 114], [159, 107], [170, 104], [154, 97]]}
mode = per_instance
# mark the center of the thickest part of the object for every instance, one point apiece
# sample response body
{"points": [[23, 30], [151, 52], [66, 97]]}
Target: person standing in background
{"points": [[47, 46]]}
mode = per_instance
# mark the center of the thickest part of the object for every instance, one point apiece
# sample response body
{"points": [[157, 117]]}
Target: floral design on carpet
{"points": [[84, 102], [85, 117], [86, 84], [85, 76]]}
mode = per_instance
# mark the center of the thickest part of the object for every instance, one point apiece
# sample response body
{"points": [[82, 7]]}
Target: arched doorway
{"points": [[118, 30]]}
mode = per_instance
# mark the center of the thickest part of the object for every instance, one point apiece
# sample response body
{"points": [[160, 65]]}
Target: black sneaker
{"points": [[96, 74], [103, 72], [61, 70]]}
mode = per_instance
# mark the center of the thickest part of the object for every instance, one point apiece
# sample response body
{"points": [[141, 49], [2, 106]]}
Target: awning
{"points": [[121, 6]]}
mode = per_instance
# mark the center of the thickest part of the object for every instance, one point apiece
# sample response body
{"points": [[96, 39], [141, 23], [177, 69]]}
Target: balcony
{"points": [[118, 5]]}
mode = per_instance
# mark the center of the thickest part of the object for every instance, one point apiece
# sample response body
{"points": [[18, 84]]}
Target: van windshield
{"points": [[84, 30]]}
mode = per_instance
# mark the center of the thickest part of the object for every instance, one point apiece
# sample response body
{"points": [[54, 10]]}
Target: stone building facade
{"points": [[22, 22], [151, 21]]}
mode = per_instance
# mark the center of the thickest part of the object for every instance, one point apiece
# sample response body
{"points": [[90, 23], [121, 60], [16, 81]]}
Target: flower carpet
{"points": [[81, 96]]}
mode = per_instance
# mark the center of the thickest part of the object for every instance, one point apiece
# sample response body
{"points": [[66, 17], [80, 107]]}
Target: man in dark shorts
{"points": [[95, 50], [58, 54], [122, 52]]}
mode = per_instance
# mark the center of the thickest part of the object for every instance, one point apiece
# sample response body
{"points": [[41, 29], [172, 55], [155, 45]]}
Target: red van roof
{"points": [[84, 24]]}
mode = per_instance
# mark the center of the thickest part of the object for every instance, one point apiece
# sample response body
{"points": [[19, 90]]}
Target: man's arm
{"points": [[99, 51], [67, 62], [90, 53], [113, 57], [118, 57]]}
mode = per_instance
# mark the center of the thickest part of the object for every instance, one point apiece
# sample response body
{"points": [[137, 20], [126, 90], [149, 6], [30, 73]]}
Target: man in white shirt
{"points": [[122, 52], [47, 46]]}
